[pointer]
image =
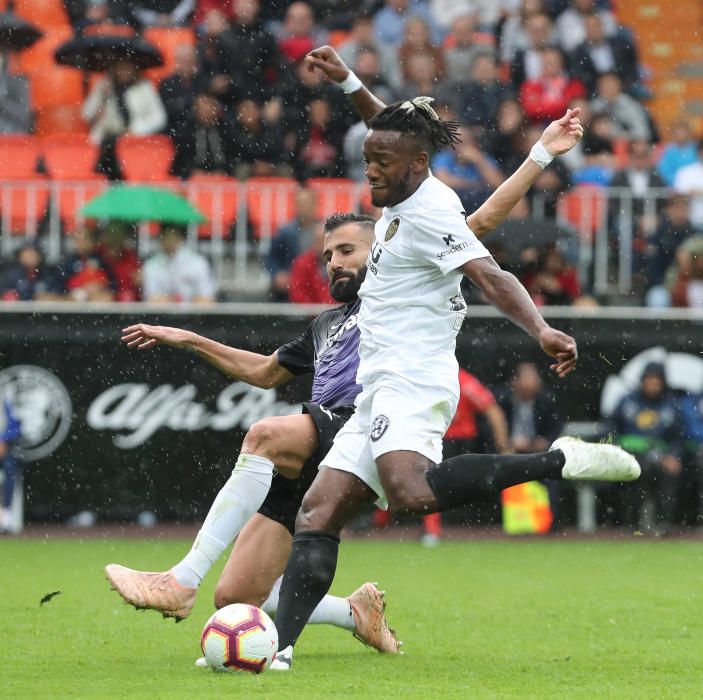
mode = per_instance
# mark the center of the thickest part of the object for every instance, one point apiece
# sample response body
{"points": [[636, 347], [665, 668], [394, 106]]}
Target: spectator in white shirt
{"points": [[689, 181], [177, 273]]}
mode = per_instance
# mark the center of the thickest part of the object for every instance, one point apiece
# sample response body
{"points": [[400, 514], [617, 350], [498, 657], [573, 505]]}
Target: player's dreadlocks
{"points": [[417, 117]]}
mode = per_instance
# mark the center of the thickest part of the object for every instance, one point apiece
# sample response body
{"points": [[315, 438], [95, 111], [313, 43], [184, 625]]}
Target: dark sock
{"points": [[459, 480], [306, 580]]}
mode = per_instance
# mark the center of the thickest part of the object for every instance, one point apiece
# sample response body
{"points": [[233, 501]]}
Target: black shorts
{"points": [[286, 495]]}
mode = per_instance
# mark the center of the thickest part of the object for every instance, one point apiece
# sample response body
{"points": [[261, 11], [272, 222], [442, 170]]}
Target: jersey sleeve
{"points": [[442, 237], [298, 356]]}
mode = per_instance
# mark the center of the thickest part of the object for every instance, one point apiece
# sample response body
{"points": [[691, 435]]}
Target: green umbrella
{"points": [[139, 203]]}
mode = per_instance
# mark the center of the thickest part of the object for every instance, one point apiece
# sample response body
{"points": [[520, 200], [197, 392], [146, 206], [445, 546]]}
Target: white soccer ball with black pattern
{"points": [[239, 637]]}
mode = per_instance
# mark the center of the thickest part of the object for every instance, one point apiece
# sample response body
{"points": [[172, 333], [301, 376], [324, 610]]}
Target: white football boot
{"points": [[595, 461], [283, 660]]}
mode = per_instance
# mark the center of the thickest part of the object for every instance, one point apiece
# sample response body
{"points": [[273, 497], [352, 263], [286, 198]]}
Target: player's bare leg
{"points": [[332, 500], [286, 441]]}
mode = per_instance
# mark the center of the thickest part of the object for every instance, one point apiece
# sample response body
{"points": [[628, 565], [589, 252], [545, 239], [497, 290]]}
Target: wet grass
{"points": [[527, 619]]}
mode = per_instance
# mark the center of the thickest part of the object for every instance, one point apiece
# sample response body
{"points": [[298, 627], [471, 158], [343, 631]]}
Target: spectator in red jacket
{"points": [[117, 252], [309, 283], [548, 97]]}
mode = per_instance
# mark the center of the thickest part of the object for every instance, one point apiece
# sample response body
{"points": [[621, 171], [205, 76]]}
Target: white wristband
{"points": [[540, 155], [351, 83]]}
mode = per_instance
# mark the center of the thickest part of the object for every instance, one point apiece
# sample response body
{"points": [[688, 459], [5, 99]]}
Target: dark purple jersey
{"points": [[329, 348]]}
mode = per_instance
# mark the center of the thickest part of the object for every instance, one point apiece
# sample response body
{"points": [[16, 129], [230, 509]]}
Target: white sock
{"points": [[331, 610], [236, 502]]}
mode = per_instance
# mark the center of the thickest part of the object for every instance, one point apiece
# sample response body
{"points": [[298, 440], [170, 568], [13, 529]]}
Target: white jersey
{"points": [[412, 306]]}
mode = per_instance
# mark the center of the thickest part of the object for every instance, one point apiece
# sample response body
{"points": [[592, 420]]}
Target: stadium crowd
{"points": [[241, 103]]}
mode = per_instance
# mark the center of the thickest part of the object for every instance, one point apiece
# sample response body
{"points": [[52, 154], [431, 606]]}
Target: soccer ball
{"points": [[239, 638]]}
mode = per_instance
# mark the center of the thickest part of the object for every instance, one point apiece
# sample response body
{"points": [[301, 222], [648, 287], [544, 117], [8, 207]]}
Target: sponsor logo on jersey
{"points": [[335, 336], [42, 405], [448, 240], [453, 248], [379, 426], [374, 257], [392, 229]]}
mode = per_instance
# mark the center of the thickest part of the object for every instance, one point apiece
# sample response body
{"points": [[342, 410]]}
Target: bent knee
{"points": [[314, 514], [260, 438]]}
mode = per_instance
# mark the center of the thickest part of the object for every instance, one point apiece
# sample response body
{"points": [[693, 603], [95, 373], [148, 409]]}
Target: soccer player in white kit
{"points": [[390, 450]]}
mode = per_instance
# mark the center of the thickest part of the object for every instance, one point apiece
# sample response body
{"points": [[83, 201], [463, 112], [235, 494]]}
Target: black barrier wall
{"points": [[119, 431]]}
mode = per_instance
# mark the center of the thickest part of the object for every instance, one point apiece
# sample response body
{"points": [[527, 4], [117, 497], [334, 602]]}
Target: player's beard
{"points": [[346, 289]]}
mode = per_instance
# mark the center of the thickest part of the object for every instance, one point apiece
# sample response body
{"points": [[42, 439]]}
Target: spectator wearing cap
{"points": [[177, 273], [29, 278], [679, 151], [309, 283], [647, 423], [689, 181]]}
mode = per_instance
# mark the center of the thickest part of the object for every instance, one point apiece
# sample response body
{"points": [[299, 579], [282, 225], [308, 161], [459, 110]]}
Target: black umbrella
{"points": [[15, 33], [97, 53]]}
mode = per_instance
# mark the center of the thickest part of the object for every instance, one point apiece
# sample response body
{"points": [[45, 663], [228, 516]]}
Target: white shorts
{"points": [[397, 415]]}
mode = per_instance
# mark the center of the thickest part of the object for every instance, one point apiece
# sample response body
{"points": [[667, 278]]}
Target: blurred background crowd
{"points": [[212, 97]]}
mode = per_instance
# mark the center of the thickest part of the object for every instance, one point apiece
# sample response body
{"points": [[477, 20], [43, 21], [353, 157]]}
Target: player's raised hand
{"points": [[329, 62], [562, 135], [143, 337], [562, 348]]}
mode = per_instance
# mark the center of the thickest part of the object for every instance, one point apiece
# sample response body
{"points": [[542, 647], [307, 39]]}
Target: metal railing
{"points": [[243, 217]]}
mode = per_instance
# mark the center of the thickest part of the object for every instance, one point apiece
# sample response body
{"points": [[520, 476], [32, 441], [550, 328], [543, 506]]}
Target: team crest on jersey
{"points": [[379, 426], [392, 229]]}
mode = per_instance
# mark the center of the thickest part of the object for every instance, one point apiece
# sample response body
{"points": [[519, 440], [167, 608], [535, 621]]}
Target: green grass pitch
{"points": [[488, 619]]}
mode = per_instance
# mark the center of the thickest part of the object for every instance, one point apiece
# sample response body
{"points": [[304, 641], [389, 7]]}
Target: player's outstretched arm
{"points": [[258, 370], [331, 64], [506, 293], [559, 137]]}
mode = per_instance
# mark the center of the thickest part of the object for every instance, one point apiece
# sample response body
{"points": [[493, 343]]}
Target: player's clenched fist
{"points": [[329, 62]]}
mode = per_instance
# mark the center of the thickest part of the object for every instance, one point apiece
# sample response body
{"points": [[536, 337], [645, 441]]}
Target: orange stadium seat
{"points": [[584, 208], [57, 86], [60, 119], [145, 158], [167, 40], [70, 197], [19, 154], [335, 195], [216, 196], [47, 14], [70, 156], [271, 203], [23, 204], [39, 57]]}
